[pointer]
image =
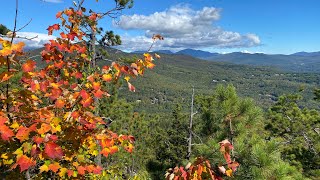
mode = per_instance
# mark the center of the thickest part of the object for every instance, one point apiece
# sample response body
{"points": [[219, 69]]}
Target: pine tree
{"points": [[3, 29], [225, 115], [298, 128]]}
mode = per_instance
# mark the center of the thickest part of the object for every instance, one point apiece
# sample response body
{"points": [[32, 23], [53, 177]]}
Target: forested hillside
{"points": [[77, 108]]}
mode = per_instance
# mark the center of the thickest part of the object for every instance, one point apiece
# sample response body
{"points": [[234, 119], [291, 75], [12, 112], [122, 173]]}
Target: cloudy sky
{"points": [[269, 26]]}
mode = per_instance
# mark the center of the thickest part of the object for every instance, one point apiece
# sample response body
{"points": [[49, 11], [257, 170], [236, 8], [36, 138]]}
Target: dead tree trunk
{"points": [[190, 127]]}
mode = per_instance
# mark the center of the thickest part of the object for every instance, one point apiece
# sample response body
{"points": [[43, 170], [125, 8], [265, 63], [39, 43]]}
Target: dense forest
{"points": [[84, 110]]}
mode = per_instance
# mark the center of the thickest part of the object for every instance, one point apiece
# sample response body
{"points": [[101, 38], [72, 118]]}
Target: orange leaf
{"points": [[54, 167], [70, 173], [24, 162], [84, 94], [44, 128], [93, 17], [90, 168], [90, 78], [5, 76], [113, 149], [150, 65], [97, 170], [105, 152], [60, 103], [107, 143], [37, 139], [35, 86], [81, 170], [87, 102], [96, 85], [6, 132], [28, 66], [75, 114], [63, 35], [68, 12], [53, 151], [107, 77], [129, 148], [98, 93], [23, 133], [58, 15]]}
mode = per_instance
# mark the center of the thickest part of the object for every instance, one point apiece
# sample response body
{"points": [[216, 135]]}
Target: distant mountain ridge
{"points": [[307, 54], [197, 53], [297, 62]]}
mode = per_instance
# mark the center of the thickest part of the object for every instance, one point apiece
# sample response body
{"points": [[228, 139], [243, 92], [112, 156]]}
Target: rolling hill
{"points": [[297, 62], [175, 74]]}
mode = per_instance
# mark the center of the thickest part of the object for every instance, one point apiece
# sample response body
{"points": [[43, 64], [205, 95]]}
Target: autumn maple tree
{"points": [[49, 123]]}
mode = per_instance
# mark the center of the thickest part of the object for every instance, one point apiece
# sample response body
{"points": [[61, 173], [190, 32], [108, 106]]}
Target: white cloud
{"points": [[53, 1], [183, 27], [250, 52], [37, 39]]}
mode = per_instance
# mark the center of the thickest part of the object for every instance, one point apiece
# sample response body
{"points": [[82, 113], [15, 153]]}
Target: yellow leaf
{"points": [[34, 97], [55, 129], [15, 125], [88, 85], [18, 152], [7, 162], [68, 158], [41, 157], [56, 121], [4, 156], [75, 164], [62, 172], [75, 174], [44, 168], [66, 73], [66, 115], [95, 152], [229, 172], [127, 78]]}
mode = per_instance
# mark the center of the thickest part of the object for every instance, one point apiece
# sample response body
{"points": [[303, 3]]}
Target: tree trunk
{"points": [[190, 127]]}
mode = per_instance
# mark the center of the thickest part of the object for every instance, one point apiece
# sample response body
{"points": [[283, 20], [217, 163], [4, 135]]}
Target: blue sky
{"points": [[269, 26]]}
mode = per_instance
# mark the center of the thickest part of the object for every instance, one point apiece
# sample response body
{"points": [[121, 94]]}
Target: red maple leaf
{"points": [[53, 151], [81, 170], [29, 66], [23, 133], [24, 162], [6, 132]]}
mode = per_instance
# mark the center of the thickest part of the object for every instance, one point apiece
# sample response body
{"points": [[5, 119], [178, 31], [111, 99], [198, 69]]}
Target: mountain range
{"points": [[170, 81], [297, 62]]}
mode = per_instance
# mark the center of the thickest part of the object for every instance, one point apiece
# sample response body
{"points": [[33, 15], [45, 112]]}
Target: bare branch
{"points": [[197, 136], [24, 25]]}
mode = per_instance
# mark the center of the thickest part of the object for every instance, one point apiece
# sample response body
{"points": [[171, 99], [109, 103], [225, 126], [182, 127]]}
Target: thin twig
{"points": [[20, 37], [197, 136], [24, 25], [151, 45]]}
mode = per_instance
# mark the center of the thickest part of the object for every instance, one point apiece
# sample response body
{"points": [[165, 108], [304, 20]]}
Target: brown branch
{"points": [[24, 25], [8, 60]]}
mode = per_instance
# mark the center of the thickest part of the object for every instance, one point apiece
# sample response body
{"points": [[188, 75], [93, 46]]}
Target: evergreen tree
{"points": [[170, 142], [3, 29], [298, 128], [225, 115]]}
